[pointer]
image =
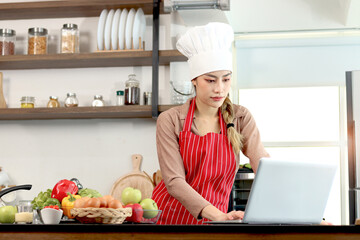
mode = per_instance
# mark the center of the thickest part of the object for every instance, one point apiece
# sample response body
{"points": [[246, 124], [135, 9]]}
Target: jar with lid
{"points": [[70, 38], [132, 91], [98, 101], [7, 41], [71, 100], [37, 40], [119, 98], [27, 102], [147, 98], [53, 102]]}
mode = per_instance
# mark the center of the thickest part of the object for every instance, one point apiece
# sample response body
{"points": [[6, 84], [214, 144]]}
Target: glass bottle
{"points": [[119, 98], [98, 101], [147, 98], [132, 91], [70, 38], [71, 100], [37, 40], [27, 102], [53, 102], [7, 41]]}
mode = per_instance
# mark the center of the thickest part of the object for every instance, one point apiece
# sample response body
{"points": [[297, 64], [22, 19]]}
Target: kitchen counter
{"points": [[206, 232]]}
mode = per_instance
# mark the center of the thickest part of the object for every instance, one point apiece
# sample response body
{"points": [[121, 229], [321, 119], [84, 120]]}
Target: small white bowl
{"points": [[51, 216]]}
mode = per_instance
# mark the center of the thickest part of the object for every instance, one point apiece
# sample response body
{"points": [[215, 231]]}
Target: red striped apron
{"points": [[209, 168]]}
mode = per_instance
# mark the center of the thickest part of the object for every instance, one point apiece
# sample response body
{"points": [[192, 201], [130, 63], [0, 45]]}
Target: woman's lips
{"points": [[217, 98]]}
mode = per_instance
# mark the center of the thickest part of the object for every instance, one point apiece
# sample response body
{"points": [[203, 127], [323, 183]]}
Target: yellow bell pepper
{"points": [[68, 203]]}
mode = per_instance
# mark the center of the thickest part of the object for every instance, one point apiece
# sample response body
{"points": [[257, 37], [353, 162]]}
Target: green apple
{"points": [[7, 214], [130, 195], [149, 204]]}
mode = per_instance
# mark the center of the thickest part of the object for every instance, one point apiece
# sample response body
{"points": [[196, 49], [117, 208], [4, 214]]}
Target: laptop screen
{"points": [[289, 192]]}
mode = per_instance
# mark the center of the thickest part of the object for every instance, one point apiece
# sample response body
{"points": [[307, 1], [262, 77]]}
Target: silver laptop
{"points": [[288, 192]]}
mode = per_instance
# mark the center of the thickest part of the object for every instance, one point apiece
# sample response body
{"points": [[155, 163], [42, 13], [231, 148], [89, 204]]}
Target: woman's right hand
{"points": [[212, 213]]}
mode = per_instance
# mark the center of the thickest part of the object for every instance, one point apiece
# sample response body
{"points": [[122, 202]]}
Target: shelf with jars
{"points": [[126, 111], [88, 60], [87, 8]]}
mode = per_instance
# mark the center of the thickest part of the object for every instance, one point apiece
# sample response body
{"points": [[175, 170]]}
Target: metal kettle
{"points": [[11, 189]]}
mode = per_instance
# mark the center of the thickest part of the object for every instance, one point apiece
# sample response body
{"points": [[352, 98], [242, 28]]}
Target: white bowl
{"points": [[51, 216]]}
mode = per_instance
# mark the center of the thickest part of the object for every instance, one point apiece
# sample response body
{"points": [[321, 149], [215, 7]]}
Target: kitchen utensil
{"points": [[11, 189], [135, 179], [51, 216], [2, 99]]}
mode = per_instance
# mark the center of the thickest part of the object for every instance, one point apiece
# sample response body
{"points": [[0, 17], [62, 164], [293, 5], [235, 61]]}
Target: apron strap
{"points": [[190, 116]]}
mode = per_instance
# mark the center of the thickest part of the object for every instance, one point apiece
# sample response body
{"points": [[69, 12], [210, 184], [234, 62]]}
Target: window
{"points": [[300, 123]]}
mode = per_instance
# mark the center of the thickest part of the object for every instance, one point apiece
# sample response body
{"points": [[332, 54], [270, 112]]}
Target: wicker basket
{"points": [[101, 215]]}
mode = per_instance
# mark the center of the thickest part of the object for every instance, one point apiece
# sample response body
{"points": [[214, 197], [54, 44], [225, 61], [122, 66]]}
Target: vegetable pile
{"points": [[66, 195]]}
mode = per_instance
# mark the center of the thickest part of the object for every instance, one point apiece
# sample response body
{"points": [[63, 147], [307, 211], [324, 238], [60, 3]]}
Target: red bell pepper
{"points": [[61, 189]]}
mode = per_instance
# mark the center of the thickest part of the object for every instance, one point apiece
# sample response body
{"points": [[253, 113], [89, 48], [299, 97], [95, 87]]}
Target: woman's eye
{"points": [[226, 79], [210, 80]]}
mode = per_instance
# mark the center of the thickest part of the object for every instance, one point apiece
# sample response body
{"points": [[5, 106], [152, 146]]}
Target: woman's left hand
{"points": [[235, 215]]}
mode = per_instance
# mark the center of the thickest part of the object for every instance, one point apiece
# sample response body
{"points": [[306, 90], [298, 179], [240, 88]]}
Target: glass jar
{"points": [[70, 38], [7, 41], [37, 40], [132, 91], [71, 100], [24, 212], [120, 98], [147, 98], [53, 102], [98, 101], [27, 102]]}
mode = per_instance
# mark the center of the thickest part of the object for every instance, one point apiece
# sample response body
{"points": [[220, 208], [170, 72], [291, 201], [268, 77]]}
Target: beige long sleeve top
{"points": [[170, 124]]}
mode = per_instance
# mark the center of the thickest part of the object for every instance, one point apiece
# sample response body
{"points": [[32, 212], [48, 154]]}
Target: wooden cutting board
{"points": [[135, 179], [2, 99]]}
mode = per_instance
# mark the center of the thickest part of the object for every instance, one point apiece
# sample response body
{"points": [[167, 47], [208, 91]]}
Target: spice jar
{"points": [[7, 41], [71, 100], [98, 101], [37, 40], [132, 91], [69, 38], [147, 98], [27, 102], [53, 102], [119, 98]]}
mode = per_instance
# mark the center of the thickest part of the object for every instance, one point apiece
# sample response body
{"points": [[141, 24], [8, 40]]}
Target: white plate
{"points": [[107, 33], [143, 30], [137, 27], [115, 30], [100, 31], [129, 28], [122, 25]]}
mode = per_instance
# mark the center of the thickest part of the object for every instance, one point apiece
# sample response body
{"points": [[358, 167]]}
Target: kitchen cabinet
{"points": [[87, 8]]}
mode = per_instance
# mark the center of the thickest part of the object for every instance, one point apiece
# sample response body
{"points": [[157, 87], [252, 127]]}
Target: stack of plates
{"points": [[121, 29]]}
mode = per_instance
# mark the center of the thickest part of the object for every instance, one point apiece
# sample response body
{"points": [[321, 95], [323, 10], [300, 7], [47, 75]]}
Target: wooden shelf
{"points": [[69, 8], [138, 111], [88, 60]]}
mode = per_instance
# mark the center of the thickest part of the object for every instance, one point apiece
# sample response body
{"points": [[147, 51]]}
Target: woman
{"points": [[199, 142]]}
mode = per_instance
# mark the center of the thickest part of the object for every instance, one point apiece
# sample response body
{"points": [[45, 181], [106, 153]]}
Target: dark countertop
{"points": [[148, 231]]}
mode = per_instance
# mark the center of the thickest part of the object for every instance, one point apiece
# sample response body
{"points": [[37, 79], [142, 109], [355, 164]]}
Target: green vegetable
{"points": [[52, 202], [40, 199], [87, 192]]}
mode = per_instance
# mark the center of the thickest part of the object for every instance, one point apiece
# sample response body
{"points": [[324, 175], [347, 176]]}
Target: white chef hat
{"points": [[208, 48]]}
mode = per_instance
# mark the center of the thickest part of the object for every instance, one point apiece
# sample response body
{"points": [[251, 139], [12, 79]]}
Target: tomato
{"points": [[53, 206]]}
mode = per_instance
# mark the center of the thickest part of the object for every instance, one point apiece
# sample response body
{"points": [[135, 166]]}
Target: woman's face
{"points": [[212, 88]]}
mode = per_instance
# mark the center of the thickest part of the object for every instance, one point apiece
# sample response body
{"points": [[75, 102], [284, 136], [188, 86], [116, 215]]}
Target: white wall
{"points": [[96, 151]]}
